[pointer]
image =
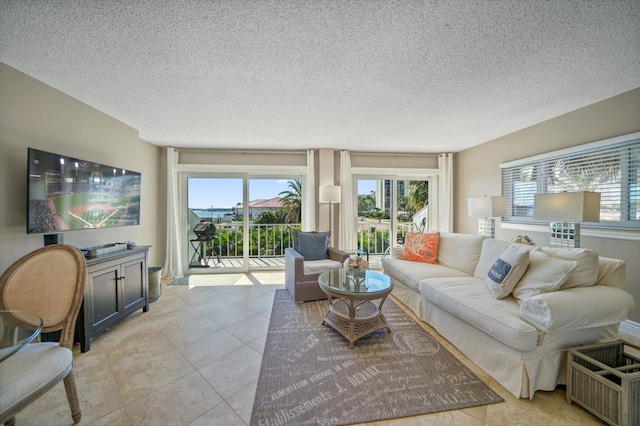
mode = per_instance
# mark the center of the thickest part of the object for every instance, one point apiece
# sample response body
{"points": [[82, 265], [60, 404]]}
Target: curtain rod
{"points": [[243, 151], [393, 154], [249, 151]]}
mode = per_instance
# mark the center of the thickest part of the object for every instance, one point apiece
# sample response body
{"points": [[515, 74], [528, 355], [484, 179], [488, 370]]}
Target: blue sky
{"points": [[225, 192]]}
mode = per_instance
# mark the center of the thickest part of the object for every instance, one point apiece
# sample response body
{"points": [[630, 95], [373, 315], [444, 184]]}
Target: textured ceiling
{"points": [[402, 76]]}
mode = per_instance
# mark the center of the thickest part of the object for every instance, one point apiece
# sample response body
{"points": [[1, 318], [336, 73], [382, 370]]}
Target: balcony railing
{"points": [[265, 240], [270, 240], [373, 237]]}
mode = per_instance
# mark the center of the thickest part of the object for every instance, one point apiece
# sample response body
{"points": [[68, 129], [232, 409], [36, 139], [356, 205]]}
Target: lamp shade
{"points": [[567, 206], [329, 194], [486, 207]]}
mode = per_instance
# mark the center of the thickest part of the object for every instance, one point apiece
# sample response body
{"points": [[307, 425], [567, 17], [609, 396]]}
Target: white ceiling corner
{"points": [[401, 76]]}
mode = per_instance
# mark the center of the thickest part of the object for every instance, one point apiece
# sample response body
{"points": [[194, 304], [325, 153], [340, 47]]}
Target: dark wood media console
{"points": [[117, 285]]}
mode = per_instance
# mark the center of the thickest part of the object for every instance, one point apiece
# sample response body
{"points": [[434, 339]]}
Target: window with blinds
{"points": [[610, 167]]}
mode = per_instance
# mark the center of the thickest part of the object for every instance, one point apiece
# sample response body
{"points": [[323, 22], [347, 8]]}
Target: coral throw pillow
{"points": [[421, 247]]}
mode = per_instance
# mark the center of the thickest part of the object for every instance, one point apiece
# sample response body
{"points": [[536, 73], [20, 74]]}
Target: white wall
{"points": [[477, 172], [35, 115]]}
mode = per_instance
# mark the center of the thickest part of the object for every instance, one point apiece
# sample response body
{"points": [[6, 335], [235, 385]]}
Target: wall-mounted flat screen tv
{"points": [[67, 193]]}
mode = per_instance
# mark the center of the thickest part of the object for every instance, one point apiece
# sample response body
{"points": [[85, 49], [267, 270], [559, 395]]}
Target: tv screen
{"points": [[67, 193]]}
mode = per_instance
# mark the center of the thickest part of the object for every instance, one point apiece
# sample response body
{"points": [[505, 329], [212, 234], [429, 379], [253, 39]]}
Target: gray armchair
{"points": [[301, 275]]}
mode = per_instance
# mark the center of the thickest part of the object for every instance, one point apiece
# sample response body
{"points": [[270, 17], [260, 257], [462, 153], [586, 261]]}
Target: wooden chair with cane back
{"points": [[48, 282]]}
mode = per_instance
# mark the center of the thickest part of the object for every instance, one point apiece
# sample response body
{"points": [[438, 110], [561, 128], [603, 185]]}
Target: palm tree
{"points": [[418, 194], [292, 201]]}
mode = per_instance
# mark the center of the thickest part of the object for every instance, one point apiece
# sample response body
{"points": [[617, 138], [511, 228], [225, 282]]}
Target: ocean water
{"points": [[207, 214]]}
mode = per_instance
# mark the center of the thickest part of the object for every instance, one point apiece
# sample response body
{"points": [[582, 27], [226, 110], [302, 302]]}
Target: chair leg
{"points": [[72, 396], [10, 422]]}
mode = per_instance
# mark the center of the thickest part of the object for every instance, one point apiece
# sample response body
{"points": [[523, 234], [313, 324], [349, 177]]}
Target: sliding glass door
{"points": [[387, 210], [274, 212], [238, 223], [215, 222]]}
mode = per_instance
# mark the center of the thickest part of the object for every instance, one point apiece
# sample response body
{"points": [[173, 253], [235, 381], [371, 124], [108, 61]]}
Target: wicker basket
{"points": [[604, 378]]}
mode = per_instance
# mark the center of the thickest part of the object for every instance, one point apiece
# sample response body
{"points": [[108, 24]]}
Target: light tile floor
{"points": [[194, 359]]}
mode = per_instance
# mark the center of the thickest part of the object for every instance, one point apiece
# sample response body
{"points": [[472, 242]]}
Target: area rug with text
{"points": [[310, 376]]}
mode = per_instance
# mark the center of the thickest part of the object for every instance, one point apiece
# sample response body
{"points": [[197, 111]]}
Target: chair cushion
{"points": [[316, 267], [312, 245], [32, 371]]}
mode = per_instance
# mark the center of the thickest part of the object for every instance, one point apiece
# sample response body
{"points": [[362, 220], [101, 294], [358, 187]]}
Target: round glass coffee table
{"points": [[355, 301]]}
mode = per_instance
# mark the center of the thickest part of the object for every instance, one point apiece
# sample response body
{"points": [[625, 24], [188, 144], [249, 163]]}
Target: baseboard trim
{"points": [[630, 327]]}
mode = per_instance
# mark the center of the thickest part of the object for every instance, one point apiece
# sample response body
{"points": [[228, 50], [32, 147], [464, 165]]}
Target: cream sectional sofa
{"points": [[519, 342]]}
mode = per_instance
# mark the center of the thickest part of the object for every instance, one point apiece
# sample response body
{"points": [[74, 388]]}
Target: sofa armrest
{"points": [[577, 308], [396, 252], [339, 255]]}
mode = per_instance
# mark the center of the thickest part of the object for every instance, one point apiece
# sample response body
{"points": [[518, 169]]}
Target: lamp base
{"points": [[564, 234], [487, 227]]}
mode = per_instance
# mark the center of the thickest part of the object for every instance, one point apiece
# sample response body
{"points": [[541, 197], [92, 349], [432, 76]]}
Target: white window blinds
{"points": [[610, 167]]}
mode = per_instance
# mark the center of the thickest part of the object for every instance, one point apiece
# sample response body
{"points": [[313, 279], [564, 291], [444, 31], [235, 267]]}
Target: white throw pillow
{"points": [[506, 272], [491, 251], [545, 274], [586, 274]]}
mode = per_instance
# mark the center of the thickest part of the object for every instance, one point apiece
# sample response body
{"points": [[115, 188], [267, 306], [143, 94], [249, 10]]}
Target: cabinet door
{"points": [[105, 294], [133, 274]]}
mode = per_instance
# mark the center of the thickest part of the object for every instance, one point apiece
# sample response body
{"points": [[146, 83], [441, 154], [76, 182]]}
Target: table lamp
{"points": [[565, 210], [485, 209]]}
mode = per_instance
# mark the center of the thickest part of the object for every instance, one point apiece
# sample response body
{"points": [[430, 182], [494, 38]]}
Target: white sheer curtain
{"points": [[348, 231], [173, 260], [309, 195], [445, 192]]}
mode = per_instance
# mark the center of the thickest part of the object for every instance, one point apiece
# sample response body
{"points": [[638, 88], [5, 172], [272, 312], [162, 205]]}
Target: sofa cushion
{"points": [[468, 299], [545, 274], [312, 245], [586, 273], [421, 247], [460, 251], [506, 272], [316, 267], [411, 273]]}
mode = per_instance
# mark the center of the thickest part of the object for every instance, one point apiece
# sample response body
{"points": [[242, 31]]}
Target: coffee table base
{"points": [[354, 318]]}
